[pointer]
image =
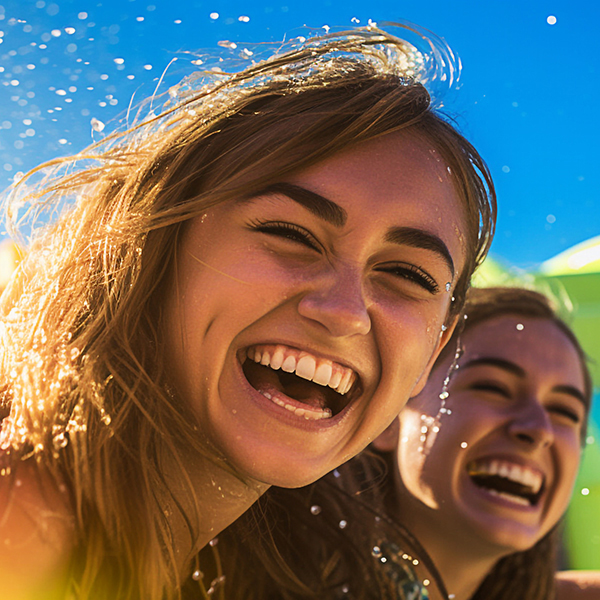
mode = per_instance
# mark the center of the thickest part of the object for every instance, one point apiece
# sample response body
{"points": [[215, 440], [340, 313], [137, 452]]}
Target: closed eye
{"points": [[566, 412], [494, 388], [411, 273], [288, 231]]}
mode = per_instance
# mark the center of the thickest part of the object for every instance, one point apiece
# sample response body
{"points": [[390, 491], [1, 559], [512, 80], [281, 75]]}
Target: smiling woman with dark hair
{"points": [[218, 310], [484, 459]]}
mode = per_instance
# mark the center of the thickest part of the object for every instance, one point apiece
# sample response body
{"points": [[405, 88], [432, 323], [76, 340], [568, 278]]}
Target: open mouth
{"points": [[517, 483], [308, 386]]}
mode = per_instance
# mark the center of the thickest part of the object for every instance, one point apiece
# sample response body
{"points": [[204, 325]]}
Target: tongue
{"points": [[502, 484], [264, 379], [302, 390]]}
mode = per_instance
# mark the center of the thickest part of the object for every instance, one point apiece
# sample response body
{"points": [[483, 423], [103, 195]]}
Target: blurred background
{"points": [[70, 69]]}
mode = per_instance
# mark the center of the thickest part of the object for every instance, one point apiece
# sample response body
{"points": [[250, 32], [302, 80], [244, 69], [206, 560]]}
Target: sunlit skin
{"points": [[348, 262], [346, 286], [517, 397]]}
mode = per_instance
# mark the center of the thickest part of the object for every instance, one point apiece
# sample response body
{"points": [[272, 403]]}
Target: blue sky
{"points": [[526, 99]]}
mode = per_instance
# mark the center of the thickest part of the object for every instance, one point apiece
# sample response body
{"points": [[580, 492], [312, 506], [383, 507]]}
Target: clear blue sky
{"points": [[527, 97]]}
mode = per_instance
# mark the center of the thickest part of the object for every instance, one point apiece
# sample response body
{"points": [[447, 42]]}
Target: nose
{"points": [[338, 304], [533, 426]]}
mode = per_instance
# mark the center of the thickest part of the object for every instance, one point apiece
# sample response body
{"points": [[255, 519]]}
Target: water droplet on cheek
{"points": [[315, 509]]}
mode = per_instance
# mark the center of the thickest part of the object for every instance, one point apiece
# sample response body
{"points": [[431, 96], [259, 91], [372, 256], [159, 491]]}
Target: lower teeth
{"points": [[511, 497], [308, 413]]}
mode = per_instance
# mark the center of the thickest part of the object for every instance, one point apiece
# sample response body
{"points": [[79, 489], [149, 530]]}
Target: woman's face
{"points": [[342, 275], [501, 469]]}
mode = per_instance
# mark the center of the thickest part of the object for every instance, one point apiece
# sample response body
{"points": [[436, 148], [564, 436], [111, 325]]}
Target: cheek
{"points": [[568, 451], [407, 335]]}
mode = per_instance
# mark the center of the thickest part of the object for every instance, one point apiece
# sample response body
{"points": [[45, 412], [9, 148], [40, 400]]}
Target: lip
{"points": [[499, 500], [281, 413]]}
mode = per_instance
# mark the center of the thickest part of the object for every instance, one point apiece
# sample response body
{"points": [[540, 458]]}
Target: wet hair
{"points": [[83, 378]]}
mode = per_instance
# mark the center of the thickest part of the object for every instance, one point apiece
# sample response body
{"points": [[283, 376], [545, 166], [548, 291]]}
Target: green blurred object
{"points": [[573, 277], [578, 271]]}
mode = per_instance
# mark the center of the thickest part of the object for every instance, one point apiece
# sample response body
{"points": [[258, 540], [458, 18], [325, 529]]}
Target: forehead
{"points": [[537, 345], [398, 178]]}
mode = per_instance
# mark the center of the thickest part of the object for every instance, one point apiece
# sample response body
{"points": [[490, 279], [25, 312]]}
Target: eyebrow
{"points": [[315, 203], [336, 215], [512, 367], [417, 238]]}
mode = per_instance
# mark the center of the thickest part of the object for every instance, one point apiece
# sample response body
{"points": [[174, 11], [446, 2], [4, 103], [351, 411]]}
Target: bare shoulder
{"points": [[36, 534], [578, 585]]}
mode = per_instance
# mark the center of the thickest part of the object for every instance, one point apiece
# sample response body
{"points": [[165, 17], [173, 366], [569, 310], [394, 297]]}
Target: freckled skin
{"points": [[238, 287]]}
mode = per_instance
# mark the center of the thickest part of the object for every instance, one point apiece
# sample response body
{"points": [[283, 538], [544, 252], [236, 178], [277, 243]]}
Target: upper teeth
{"points": [[532, 478], [318, 370]]}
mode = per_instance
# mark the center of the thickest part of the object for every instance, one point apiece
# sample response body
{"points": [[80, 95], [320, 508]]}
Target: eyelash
{"points": [[287, 230], [415, 274], [491, 387], [565, 412], [298, 234]]}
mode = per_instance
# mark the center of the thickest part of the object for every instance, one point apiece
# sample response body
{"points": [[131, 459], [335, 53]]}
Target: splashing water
{"points": [[433, 424]]}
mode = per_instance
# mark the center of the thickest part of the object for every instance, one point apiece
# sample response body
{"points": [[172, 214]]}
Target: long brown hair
{"points": [[81, 368]]}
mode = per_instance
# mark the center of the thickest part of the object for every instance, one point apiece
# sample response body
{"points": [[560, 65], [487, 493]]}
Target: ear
{"points": [[388, 440], [442, 341]]}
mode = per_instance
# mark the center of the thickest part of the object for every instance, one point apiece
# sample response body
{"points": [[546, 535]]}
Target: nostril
{"points": [[524, 437]]}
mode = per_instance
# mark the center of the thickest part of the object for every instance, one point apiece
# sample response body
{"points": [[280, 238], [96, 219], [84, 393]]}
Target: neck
{"points": [[462, 563], [210, 499]]}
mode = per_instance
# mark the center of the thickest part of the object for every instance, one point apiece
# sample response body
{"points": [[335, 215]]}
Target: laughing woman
{"points": [[219, 310], [483, 473]]}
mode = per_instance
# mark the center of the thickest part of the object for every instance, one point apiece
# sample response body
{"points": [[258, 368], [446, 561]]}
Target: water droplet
{"points": [[444, 328], [343, 524], [444, 395], [197, 575], [447, 286], [376, 552], [213, 542], [60, 441], [336, 473], [315, 509], [520, 326], [463, 444], [585, 492], [97, 125], [214, 16]]}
